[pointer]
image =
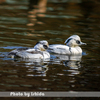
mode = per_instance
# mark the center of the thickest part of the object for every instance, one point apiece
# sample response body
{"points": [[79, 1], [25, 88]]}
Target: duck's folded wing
{"points": [[13, 52], [30, 54], [59, 49]]}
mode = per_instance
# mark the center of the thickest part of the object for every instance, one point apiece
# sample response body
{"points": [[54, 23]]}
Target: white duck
{"points": [[71, 47], [38, 52]]}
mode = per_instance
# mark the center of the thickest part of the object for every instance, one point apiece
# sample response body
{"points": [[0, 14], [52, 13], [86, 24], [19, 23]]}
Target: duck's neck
{"points": [[37, 47]]}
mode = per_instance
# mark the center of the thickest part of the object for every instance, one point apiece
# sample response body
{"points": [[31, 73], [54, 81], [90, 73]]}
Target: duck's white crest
{"points": [[71, 47], [38, 52]]}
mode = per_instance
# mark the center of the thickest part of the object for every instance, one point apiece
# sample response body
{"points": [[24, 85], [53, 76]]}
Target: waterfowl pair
{"points": [[39, 50], [71, 47]]}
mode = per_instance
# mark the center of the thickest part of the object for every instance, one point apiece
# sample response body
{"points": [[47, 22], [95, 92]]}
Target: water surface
{"points": [[25, 22]]}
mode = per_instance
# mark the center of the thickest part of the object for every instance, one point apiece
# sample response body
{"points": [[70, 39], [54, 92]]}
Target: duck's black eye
{"points": [[45, 46], [77, 41]]}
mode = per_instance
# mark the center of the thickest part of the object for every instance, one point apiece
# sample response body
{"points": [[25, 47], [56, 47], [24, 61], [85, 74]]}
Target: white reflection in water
{"points": [[70, 61], [35, 65], [72, 64]]}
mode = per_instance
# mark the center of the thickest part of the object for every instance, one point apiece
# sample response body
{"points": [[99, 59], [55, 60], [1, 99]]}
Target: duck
{"points": [[38, 52], [72, 46]]}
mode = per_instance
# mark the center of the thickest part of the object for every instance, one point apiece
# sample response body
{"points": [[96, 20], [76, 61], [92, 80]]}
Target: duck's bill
{"points": [[81, 43]]}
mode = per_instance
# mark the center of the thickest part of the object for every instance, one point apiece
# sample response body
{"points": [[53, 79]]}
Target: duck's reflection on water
{"points": [[36, 67], [41, 66], [71, 62], [68, 60]]}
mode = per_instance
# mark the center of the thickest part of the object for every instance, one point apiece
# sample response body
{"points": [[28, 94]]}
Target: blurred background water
{"points": [[24, 22]]}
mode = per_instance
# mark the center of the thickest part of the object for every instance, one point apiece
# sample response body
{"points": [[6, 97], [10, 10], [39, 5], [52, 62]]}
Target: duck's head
{"points": [[74, 41], [41, 45]]}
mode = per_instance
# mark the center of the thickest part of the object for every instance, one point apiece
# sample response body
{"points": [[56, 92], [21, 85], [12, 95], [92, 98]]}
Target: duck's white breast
{"points": [[76, 50], [46, 55]]}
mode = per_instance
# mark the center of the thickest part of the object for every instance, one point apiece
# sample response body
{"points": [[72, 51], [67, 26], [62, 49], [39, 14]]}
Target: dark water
{"points": [[24, 22]]}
